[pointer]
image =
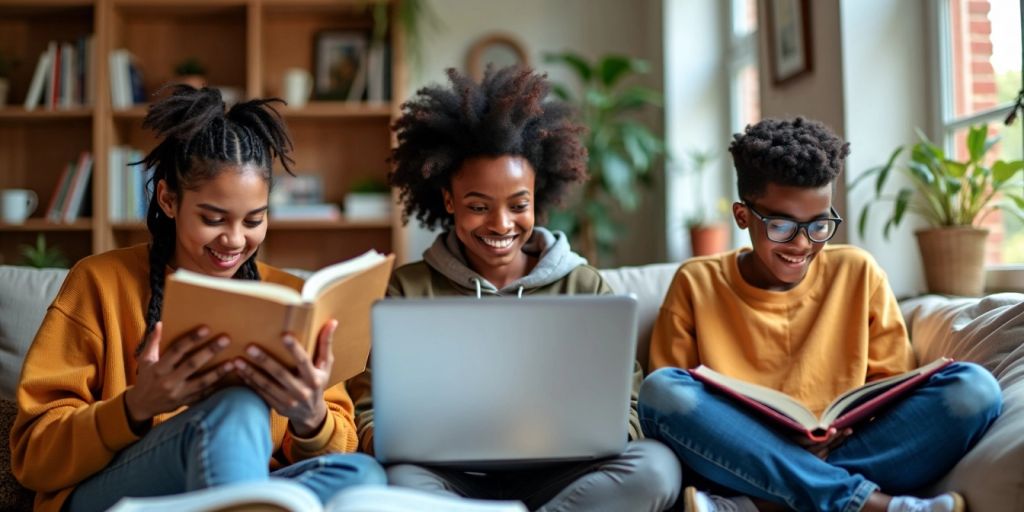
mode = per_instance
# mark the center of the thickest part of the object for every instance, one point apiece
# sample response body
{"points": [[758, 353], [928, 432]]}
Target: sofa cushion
{"points": [[25, 293], [990, 332], [649, 283]]}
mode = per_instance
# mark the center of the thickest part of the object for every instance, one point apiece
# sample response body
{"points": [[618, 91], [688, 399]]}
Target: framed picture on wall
{"points": [[789, 36], [339, 67]]}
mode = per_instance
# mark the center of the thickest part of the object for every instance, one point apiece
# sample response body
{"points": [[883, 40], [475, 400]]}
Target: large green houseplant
{"points": [[954, 197], [622, 150]]}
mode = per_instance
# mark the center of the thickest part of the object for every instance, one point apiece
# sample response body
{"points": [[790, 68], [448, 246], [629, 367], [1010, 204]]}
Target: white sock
{"points": [[943, 503]]}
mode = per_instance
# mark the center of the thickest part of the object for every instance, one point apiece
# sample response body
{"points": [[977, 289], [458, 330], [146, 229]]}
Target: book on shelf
{"points": [[125, 79], [56, 204], [259, 312], [75, 198], [129, 186], [846, 410], [34, 97], [284, 495], [63, 76]]}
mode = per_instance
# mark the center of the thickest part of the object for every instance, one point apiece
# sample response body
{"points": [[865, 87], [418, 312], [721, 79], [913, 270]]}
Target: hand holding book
{"points": [[260, 313], [851, 407]]}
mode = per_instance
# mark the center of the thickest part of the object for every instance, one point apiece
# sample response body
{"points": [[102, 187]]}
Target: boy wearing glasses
{"points": [[811, 321]]}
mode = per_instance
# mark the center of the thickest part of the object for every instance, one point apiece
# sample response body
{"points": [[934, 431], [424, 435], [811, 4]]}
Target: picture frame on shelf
{"points": [[339, 64], [789, 37]]}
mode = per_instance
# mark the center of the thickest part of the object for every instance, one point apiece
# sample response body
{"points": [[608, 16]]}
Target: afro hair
{"points": [[502, 115], [797, 153]]}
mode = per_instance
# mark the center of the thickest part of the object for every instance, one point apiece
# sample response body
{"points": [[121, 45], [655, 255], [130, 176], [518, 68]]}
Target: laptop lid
{"points": [[502, 382]]}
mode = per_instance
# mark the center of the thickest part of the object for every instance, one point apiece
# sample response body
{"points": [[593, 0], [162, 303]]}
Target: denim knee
{"points": [[668, 391], [364, 469], [970, 392], [234, 407]]}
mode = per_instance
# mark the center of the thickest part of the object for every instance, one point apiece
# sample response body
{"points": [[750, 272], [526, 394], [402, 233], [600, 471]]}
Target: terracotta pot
{"points": [[953, 259], [709, 239]]}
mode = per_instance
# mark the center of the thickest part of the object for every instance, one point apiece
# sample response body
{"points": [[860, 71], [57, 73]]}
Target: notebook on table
{"points": [[502, 383]]}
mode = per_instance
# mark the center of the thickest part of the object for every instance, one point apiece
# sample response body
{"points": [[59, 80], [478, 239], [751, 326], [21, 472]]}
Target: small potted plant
{"points": [[709, 233], [368, 198], [954, 197], [42, 255], [192, 72]]}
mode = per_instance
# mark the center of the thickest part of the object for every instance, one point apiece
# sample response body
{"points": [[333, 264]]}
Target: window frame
{"points": [[946, 124]]}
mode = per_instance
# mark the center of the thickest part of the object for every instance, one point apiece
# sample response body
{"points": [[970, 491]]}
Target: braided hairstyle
{"points": [[792, 152], [504, 114], [199, 137]]}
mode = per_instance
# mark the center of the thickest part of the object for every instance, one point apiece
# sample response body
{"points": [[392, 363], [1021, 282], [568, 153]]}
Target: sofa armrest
{"points": [[988, 331]]}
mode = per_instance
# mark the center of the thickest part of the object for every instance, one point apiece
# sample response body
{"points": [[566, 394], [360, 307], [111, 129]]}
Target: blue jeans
{"points": [[913, 443], [221, 440]]}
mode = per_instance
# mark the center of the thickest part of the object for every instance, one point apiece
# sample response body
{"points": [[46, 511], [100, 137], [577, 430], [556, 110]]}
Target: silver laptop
{"points": [[502, 383]]}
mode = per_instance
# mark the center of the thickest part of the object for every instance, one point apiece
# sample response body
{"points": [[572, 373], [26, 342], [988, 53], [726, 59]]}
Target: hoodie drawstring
{"points": [[480, 293]]}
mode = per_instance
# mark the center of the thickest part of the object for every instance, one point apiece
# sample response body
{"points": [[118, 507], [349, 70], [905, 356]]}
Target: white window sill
{"points": [[1004, 278]]}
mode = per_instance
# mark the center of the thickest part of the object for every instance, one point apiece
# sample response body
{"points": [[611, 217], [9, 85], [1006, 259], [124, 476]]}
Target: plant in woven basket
{"points": [[954, 197]]}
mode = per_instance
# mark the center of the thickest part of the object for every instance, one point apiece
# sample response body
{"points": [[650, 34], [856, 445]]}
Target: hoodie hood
{"points": [[555, 260]]}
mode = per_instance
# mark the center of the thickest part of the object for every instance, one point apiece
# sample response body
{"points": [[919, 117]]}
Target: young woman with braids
{"points": [[480, 161], [105, 413]]}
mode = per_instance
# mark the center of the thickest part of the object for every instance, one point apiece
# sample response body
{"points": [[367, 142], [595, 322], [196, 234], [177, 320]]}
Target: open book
{"points": [[850, 407], [283, 495], [256, 312]]}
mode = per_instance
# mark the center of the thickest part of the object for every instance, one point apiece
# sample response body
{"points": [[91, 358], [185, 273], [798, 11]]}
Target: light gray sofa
{"points": [[989, 331]]}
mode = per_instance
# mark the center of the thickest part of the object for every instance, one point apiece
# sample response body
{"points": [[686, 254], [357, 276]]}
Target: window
{"points": [[980, 66], [744, 97], [744, 84]]}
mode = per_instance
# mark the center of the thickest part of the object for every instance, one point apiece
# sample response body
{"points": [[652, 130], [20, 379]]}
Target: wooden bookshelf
{"points": [[245, 45]]}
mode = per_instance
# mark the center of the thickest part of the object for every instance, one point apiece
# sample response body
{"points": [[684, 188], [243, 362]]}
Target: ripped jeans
{"points": [[915, 442]]}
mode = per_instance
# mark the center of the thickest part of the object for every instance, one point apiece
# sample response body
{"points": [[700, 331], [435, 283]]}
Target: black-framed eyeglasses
{"points": [[783, 229]]}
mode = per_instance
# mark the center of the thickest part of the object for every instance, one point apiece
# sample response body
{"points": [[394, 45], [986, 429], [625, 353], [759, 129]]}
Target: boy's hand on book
{"points": [[167, 381], [822, 449], [298, 396]]}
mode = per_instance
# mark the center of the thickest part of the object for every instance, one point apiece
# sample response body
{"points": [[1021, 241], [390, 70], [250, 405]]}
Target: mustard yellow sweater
{"points": [[71, 415], [837, 329]]}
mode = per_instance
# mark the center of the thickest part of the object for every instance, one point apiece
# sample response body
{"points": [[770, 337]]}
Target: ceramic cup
{"points": [[298, 85], [16, 204]]}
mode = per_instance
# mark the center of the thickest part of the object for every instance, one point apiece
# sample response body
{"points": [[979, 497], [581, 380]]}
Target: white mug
{"points": [[298, 85], [16, 204]]}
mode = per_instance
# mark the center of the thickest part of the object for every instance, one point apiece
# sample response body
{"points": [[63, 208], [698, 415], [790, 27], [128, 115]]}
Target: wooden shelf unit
{"points": [[244, 44]]}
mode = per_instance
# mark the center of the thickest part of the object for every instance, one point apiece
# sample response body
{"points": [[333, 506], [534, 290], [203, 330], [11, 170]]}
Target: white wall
{"points": [[816, 95], [696, 108], [887, 86], [589, 27]]}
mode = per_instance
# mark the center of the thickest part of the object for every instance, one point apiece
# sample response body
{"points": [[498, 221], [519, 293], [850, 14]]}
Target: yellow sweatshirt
{"points": [[837, 329], [71, 416]]}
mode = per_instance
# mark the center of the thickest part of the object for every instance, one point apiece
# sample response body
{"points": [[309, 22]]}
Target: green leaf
{"points": [[612, 68], [920, 172], [618, 179], [635, 98], [1004, 171], [976, 142], [902, 201], [575, 62], [956, 169], [862, 223], [561, 91]]}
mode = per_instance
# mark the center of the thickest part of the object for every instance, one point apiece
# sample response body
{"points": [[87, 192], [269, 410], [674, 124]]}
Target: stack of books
{"points": [[70, 198], [63, 76]]}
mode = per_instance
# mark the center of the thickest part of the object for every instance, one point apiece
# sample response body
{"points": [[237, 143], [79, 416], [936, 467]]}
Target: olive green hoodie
{"points": [[444, 271]]}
